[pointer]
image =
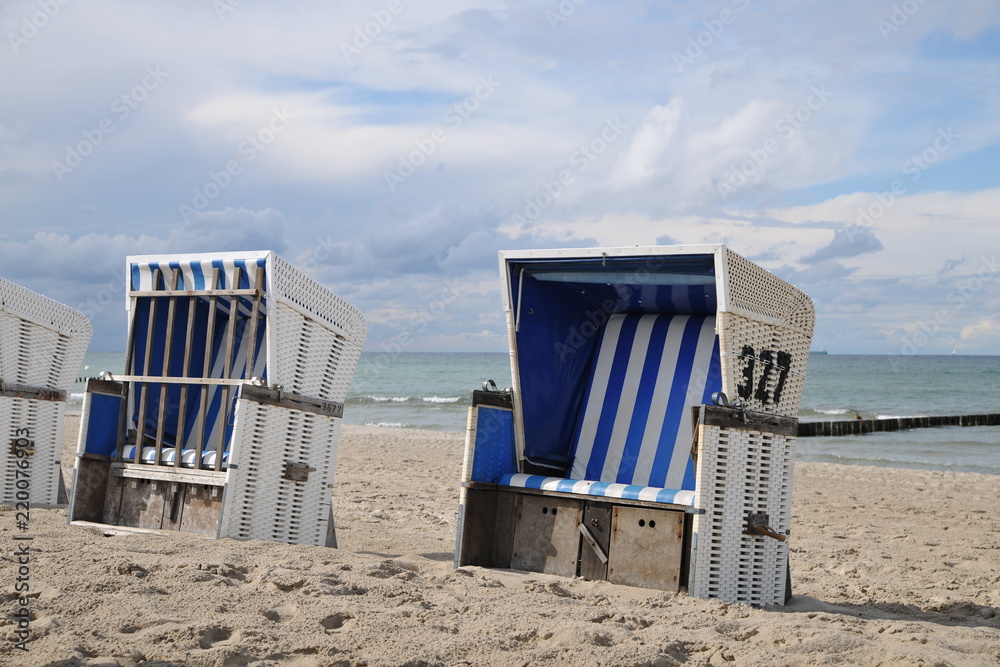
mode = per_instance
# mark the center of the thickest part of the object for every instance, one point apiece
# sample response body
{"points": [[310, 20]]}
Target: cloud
{"points": [[984, 332], [805, 132], [819, 272], [648, 154], [851, 241], [89, 259], [950, 264]]}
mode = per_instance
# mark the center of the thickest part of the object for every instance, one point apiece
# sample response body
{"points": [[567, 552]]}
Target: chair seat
{"points": [[600, 489], [168, 456]]}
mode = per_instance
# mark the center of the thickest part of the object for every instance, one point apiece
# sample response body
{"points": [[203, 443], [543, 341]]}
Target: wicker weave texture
{"points": [[316, 337], [760, 295], [306, 357], [763, 362], [261, 503], [42, 342], [40, 424], [765, 336], [741, 472]]}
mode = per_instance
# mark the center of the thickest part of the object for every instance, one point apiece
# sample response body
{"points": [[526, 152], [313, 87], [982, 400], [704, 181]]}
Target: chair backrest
{"points": [[635, 424]]}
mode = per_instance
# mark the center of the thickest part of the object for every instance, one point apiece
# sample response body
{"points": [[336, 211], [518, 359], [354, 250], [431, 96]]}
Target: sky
{"points": [[390, 148]]}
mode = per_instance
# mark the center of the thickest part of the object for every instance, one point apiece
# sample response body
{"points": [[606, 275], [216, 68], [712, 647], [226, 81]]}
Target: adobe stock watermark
{"points": [[740, 174], [364, 35], [321, 251], [109, 293], [899, 17], [595, 318], [224, 7], [914, 167], [562, 12], [579, 161], [121, 108], [698, 44], [34, 23], [247, 151], [454, 116], [958, 298]]}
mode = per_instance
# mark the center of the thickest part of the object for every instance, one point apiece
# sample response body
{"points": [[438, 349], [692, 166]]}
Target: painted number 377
{"points": [[772, 361]]}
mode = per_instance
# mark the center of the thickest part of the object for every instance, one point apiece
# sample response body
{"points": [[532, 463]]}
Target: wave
{"points": [[374, 399]]}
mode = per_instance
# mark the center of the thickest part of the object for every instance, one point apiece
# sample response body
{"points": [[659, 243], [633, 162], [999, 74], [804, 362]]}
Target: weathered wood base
{"points": [[626, 543], [110, 494]]}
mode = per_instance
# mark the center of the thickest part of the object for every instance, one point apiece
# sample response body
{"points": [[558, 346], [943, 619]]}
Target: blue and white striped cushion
{"points": [[649, 370], [167, 456], [601, 489]]}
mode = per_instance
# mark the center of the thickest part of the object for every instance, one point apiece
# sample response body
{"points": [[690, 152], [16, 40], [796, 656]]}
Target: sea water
{"points": [[881, 386], [431, 391]]}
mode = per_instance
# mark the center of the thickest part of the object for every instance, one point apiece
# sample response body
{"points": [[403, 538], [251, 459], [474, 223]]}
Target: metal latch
{"points": [[603, 557], [757, 524], [719, 398], [297, 472]]}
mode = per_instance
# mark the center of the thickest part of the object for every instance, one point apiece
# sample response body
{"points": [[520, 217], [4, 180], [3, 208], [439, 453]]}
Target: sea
{"points": [[427, 390]]}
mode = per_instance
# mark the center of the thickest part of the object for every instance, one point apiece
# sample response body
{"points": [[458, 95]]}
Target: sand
{"points": [[888, 567]]}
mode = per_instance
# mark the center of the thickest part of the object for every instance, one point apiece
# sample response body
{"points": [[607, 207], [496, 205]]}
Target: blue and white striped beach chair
{"points": [[606, 459], [227, 418]]}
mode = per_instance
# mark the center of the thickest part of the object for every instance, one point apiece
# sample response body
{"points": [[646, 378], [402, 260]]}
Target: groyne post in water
{"points": [[858, 426]]}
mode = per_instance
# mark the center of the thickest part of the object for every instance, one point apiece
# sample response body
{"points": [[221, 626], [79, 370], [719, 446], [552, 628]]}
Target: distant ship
{"points": [[823, 351]]}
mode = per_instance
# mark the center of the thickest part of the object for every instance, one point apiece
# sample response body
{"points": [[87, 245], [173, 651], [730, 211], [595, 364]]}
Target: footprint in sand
{"points": [[336, 621], [214, 635], [280, 613]]}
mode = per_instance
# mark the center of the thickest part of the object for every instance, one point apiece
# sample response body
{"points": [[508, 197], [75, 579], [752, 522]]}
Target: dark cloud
{"points": [[950, 264], [820, 272], [444, 241], [850, 241]]}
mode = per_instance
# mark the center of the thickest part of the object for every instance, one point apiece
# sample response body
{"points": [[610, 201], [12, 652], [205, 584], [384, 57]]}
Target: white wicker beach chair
{"points": [[227, 419], [42, 344], [608, 459]]}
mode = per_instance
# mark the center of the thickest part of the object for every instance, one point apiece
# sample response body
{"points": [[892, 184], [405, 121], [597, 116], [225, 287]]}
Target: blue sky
{"points": [[391, 148]]}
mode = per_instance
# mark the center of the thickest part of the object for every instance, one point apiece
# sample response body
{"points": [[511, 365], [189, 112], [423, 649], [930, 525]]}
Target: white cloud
{"points": [[983, 333], [833, 105]]}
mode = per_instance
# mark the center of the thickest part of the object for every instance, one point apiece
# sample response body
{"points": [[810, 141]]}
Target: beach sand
{"points": [[888, 567]]}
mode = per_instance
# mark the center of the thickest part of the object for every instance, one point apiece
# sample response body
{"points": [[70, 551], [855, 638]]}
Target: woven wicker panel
{"points": [[33, 307], [762, 362], [741, 471], [765, 337], [260, 503], [40, 422], [308, 358], [760, 295], [42, 342], [315, 338], [293, 287]]}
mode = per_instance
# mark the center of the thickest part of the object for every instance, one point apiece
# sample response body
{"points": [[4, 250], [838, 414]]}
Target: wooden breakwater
{"points": [[858, 426]]}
